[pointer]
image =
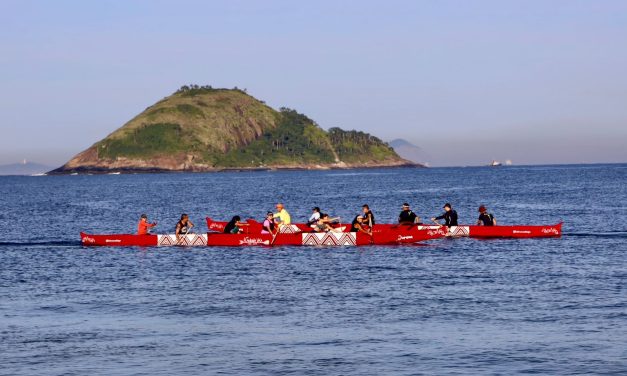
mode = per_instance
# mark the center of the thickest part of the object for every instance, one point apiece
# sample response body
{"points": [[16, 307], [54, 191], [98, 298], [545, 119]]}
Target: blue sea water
{"points": [[452, 306]]}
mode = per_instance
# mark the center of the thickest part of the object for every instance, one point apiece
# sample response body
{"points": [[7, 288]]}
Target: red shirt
{"points": [[143, 226]]}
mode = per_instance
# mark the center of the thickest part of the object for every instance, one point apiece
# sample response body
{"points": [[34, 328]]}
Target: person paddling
{"points": [[368, 217], [315, 216], [183, 226], [485, 218], [324, 224], [234, 226], [282, 215], [358, 225], [449, 216], [143, 227], [407, 216], [268, 224]]}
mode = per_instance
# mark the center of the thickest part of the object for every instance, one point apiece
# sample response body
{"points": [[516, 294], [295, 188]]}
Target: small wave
{"points": [[605, 234], [64, 243]]}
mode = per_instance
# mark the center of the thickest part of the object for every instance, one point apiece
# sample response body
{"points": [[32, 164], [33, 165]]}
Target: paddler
{"points": [[449, 216], [358, 225], [234, 226], [282, 215], [268, 225], [485, 218], [183, 226], [368, 217], [407, 216], [324, 224], [315, 216], [143, 227]]}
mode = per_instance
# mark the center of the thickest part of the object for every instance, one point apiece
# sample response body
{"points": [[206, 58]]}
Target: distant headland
{"points": [[201, 129]]}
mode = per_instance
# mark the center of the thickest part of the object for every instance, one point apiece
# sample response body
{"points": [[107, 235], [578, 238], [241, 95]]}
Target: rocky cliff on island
{"points": [[207, 129]]}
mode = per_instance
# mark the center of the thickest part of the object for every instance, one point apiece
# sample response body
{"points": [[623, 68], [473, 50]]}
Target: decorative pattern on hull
{"points": [[458, 231], [189, 240], [330, 238], [452, 232], [289, 229]]}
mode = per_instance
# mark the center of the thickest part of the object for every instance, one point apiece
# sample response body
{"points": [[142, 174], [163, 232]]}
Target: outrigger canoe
{"points": [[398, 236], [473, 231]]}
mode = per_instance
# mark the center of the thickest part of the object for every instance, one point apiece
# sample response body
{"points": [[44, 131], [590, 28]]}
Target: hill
{"points": [[208, 129], [409, 151]]}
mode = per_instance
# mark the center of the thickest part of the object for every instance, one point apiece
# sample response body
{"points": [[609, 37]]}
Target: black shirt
{"points": [[450, 218], [355, 226], [183, 228], [228, 229], [368, 218], [407, 216], [487, 219]]}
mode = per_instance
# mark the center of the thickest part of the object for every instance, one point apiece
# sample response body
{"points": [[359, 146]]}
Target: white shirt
{"points": [[314, 217]]}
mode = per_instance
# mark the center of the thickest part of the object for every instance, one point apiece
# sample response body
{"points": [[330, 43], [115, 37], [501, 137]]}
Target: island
{"points": [[203, 129]]}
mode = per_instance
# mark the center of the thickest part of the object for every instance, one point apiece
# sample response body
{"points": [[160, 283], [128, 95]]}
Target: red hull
{"points": [[522, 231], [398, 236], [119, 240], [515, 231]]}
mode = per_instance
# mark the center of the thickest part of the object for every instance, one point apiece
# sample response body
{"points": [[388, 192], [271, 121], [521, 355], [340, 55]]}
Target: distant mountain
{"points": [[200, 128], [409, 151], [24, 168]]}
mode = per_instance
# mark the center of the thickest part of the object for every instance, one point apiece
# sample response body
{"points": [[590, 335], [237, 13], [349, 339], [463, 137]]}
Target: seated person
{"points": [[368, 216], [407, 216], [324, 224], [143, 227], [358, 225], [315, 216], [485, 218], [449, 216], [183, 227], [234, 226], [269, 227]]}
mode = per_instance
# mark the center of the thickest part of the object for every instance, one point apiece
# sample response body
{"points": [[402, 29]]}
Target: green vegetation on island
{"points": [[201, 128]]}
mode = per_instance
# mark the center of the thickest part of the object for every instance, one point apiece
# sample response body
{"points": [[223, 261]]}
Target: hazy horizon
{"points": [[531, 81]]}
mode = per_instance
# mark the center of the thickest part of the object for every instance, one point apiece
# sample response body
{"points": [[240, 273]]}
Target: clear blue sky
{"points": [[468, 81]]}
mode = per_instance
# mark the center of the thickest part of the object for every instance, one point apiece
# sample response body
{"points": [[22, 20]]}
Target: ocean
{"points": [[446, 307]]}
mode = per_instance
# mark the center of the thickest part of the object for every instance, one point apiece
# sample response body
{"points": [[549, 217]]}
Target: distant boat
{"points": [[39, 174], [114, 173], [495, 164], [508, 162]]}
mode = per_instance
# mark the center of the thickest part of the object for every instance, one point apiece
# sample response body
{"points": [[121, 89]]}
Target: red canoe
{"points": [[515, 231], [473, 231], [129, 240], [399, 236]]}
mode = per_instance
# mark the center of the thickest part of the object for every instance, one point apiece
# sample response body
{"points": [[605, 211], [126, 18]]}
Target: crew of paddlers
{"points": [[322, 222]]}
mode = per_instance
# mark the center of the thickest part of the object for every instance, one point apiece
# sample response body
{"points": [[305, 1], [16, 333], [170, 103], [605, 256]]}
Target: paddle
{"points": [[187, 228], [274, 236], [182, 236]]}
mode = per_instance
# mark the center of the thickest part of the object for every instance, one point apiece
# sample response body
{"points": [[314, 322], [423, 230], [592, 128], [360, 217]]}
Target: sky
{"points": [[537, 82]]}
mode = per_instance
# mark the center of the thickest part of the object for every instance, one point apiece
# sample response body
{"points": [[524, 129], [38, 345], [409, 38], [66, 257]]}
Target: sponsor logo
{"points": [[521, 231], [438, 231], [113, 241], [88, 240], [550, 231], [401, 238], [253, 241], [215, 226]]}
